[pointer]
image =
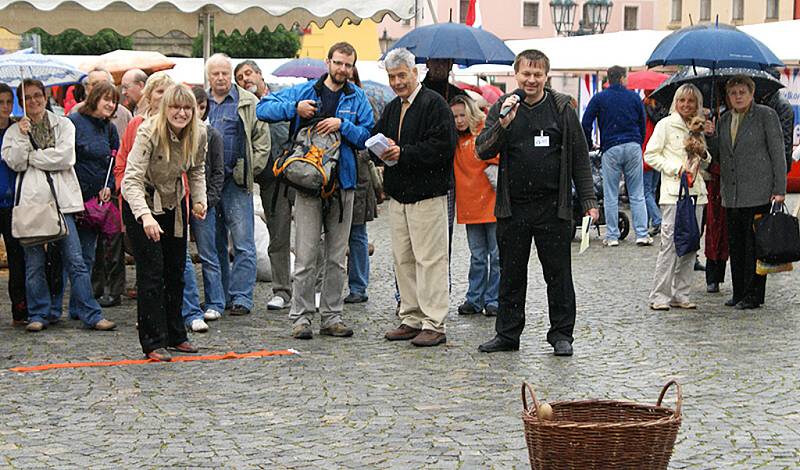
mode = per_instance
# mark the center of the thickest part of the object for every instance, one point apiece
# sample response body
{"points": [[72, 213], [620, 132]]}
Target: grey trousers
{"points": [[308, 228], [672, 279], [279, 226]]}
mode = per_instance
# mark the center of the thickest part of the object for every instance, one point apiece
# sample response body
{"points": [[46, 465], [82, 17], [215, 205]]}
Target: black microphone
{"points": [[520, 94]]}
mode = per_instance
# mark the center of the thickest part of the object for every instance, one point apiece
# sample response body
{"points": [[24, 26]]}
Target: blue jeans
{"points": [[88, 240], [358, 261], [235, 216], [651, 179], [44, 307], [190, 309], [624, 160], [205, 236], [484, 265]]}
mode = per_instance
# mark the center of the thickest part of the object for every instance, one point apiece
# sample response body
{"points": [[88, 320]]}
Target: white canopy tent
{"points": [[159, 17], [633, 48]]}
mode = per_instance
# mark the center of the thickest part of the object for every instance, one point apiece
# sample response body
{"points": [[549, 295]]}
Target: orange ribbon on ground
{"points": [[127, 362]]}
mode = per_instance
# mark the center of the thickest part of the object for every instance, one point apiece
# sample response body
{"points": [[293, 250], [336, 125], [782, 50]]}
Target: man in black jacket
{"points": [[543, 152], [785, 112], [418, 163]]}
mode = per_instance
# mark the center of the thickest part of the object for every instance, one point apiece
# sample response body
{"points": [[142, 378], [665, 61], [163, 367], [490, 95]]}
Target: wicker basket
{"points": [[601, 434]]}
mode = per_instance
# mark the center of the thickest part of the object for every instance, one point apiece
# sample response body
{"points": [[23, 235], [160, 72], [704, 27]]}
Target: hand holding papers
{"points": [[379, 144], [585, 224]]}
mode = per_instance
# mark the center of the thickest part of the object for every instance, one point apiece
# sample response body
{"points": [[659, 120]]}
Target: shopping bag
{"points": [[777, 236], [687, 233], [764, 268]]}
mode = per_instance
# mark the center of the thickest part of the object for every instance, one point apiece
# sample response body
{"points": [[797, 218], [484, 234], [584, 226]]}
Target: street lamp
{"points": [[595, 16], [385, 42]]}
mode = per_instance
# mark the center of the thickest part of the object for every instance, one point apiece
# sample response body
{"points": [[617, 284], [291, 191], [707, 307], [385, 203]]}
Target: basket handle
{"points": [[535, 402], [678, 401]]}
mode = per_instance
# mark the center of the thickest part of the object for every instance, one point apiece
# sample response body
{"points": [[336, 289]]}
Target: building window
{"points": [[705, 10], [773, 9], [631, 18], [676, 11], [738, 10], [530, 14], [463, 9]]}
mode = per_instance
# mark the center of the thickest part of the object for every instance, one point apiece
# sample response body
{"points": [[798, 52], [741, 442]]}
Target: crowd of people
{"points": [[176, 159]]}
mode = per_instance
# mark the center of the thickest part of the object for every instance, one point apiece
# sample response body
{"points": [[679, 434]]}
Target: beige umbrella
{"points": [[120, 61]]}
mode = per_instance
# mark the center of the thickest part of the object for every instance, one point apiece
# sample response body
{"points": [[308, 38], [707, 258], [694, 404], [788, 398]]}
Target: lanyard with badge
{"points": [[541, 140]]}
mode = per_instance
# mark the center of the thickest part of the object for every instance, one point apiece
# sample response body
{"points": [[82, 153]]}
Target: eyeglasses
{"points": [[185, 109], [36, 96], [339, 63]]}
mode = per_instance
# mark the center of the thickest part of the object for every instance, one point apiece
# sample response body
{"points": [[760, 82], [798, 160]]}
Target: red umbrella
{"points": [[491, 93], [467, 86], [645, 80]]}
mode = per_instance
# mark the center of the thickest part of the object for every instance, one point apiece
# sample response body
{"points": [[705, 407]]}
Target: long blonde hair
{"points": [[475, 116], [189, 136], [688, 89], [156, 80]]}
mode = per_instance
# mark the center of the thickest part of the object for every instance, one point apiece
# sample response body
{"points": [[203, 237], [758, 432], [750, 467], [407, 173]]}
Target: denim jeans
{"points": [[484, 265], [190, 309], [358, 261], [235, 217], [624, 160], [44, 307], [89, 241], [205, 236], [651, 179]]}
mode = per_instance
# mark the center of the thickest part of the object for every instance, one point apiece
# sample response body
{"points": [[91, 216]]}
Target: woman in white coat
{"points": [[666, 153]]}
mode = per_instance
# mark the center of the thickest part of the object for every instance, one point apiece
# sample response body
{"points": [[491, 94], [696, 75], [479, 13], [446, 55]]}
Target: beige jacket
{"points": [[20, 156], [152, 184], [257, 145], [665, 152]]}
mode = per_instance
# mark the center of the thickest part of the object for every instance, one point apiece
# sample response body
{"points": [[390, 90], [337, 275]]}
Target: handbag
{"points": [[687, 233], [491, 174], [37, 224], [777, 236]]}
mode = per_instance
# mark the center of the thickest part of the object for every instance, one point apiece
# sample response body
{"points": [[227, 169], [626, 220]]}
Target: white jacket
{"points": [[20, 156], [665, 152]]}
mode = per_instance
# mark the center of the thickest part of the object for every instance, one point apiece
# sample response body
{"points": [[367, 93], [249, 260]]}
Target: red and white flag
{"points": [[474, 14]]}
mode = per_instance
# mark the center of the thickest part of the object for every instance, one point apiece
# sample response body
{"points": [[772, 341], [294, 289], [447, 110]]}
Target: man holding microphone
{"points": [[543, 152]]}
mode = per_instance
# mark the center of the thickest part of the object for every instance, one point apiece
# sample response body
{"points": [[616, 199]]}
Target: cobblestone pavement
{"points": [[366, 403]]}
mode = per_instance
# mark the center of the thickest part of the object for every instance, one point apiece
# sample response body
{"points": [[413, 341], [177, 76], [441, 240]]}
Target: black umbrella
{"points": [[703, 78]]}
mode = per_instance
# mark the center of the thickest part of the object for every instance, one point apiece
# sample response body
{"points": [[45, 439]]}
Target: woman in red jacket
{"points": [[475, 197]]}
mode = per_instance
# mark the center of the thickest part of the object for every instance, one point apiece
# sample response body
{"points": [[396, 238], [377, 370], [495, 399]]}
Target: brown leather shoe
{"points": [[160, 355], [104, 325], [429, 338], [186, 347], [402, 333]]}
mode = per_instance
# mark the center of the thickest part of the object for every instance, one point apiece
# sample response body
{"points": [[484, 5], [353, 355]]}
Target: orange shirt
{"points": [[125, 146], [474, 194]]}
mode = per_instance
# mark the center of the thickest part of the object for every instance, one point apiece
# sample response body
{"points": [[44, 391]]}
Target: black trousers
{"points": [[539, 223], [159, 275], [715, 270], [16, 267], [742, 246], [109, 264]]}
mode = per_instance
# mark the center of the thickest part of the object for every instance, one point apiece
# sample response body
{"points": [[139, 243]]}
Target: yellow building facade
{"points": [[675, 14], [8, 40], [364, 37]]}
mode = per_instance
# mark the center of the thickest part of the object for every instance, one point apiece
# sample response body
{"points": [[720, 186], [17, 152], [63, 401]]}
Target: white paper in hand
{"points": [[378, 144], [585, 224]]}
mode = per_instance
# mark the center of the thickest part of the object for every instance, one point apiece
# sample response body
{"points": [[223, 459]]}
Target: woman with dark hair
{"points": [[14, 253], [204, 231], [168, 146], [96, 144], [42, 145]]}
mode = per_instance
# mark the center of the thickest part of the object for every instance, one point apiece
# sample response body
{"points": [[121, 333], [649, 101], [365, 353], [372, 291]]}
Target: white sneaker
{"points": [[276, 303], [644, 241], [317, 296], [212, 315], [611, 242], [199, 326]]}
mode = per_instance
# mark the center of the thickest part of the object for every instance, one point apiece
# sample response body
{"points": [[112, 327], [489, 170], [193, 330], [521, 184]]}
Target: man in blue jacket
{"points": [[621, 120], [343, 108]]}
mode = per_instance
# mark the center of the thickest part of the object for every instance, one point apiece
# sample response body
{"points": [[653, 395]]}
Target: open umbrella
{"points": [[645, 80], [464, 45], [120, 61], [304, 68], [705, 81], [379, 93], [713, 46], [16, 67]]}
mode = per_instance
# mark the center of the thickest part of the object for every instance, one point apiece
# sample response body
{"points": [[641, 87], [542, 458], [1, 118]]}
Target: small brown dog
{"points": [[695, 146]]}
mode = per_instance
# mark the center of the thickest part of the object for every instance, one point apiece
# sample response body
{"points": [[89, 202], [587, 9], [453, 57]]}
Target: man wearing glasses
{"points": [[334, 105]]}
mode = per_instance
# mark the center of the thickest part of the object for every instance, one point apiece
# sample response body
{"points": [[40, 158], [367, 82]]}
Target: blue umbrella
{"points": [[462, 44], [378, 93], [713, 46], [16, 67], [303, 68]]}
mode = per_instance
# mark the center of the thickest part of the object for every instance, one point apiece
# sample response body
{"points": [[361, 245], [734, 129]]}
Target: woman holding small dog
{"points": [[752, 175], [677, 146]]}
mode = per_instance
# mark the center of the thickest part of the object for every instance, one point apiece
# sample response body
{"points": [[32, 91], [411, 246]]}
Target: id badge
{"points": [[541, 140]]}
